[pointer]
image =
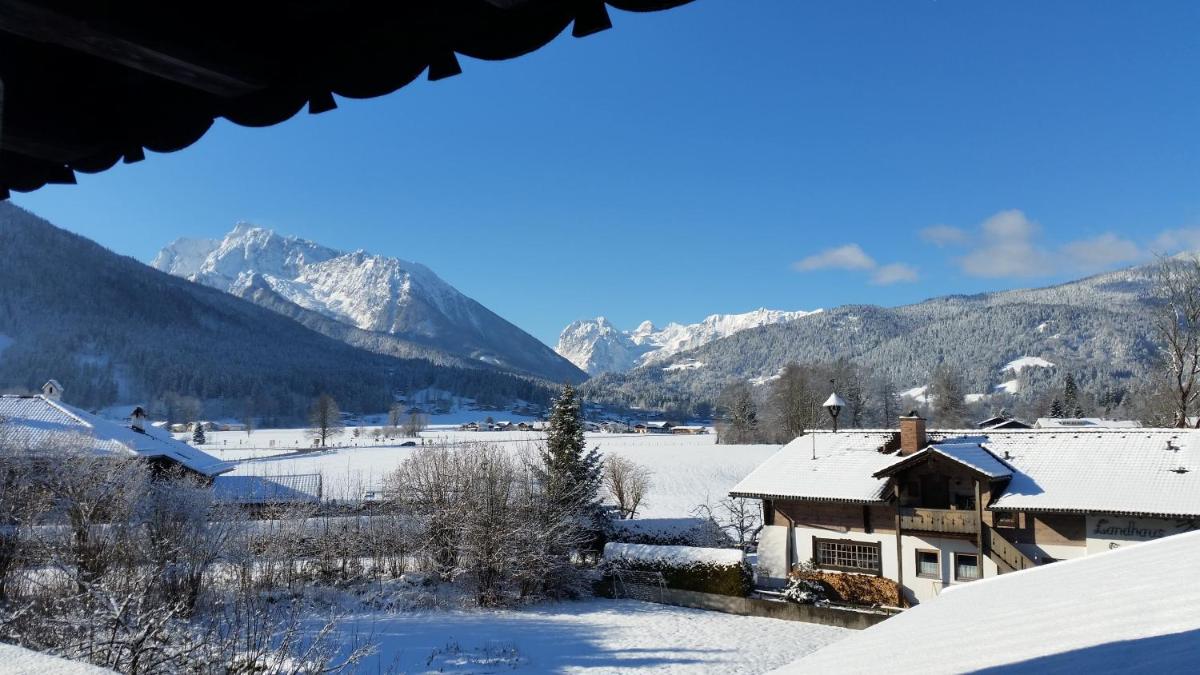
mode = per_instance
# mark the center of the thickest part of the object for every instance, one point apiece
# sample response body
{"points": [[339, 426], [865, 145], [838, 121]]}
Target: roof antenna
{"points": [[813, 432]]}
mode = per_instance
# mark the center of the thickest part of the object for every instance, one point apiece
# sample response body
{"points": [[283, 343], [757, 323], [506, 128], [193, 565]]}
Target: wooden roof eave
{"points": [[84, 85]]}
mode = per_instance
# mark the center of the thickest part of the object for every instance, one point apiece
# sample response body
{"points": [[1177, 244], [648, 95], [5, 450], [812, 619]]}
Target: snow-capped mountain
{"points": [[596, 346], [1019, 342], [372, 293]]}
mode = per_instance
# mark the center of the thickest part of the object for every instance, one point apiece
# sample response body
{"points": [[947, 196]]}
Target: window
{"points": [[966, 566], [847, 556], [1005, 518], [928, 565]]}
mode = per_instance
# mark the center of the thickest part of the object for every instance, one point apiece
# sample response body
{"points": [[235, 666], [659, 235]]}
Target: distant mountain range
{"points": [[112, 329], [598, 347], [375, 302], [1095, 328]]}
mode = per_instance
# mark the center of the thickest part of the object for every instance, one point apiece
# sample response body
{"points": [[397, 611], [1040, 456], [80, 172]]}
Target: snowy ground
{"points": [[592, 636], [687, 470]]}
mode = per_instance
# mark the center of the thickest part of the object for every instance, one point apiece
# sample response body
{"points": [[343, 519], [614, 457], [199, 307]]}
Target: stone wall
{"points": [[773, 609]]}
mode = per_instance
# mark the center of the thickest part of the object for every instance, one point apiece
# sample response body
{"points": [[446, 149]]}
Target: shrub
{"points": [[702, 532], [841, 587], [708, 570]]}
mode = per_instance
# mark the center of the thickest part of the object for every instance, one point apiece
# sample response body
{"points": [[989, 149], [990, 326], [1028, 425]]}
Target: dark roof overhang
{"points": [[85, 84]]}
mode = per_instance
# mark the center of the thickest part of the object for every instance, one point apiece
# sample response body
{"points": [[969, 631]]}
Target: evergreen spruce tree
{"points": [[570, 473], [198, 435], [1071, 395], [1056, 409]]}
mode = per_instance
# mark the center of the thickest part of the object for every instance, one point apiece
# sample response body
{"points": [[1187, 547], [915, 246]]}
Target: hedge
{"points": [[708, 570]]}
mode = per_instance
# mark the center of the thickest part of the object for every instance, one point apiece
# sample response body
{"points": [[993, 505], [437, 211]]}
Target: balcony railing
{"points": [[939, 520]]}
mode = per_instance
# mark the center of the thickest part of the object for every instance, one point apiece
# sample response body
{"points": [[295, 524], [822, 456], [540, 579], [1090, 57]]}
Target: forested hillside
{"points": [[1096, 328], [114, 330]]}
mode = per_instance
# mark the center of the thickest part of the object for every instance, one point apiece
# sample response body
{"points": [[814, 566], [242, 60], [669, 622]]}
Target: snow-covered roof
{"points": [[293, 489], [843, 469], [1084, 423], [18, 660], [39, 423], [1128, 610], [672, 555], [1131, 471], [1128, 471], [966, 451]]}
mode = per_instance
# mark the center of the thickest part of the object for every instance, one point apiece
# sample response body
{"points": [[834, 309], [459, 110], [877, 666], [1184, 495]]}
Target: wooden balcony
{"points": [[941, 521]]}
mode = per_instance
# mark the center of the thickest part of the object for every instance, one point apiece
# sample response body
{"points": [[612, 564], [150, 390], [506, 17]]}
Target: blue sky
{"points": [[727, 155]]}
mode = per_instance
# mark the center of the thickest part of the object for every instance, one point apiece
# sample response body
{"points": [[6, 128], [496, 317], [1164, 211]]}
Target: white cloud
{"points": [[1010, 224], [1102, 252], [848, 257], [1008, 249], [944, 235], [894, 273], [1174, 241], [851, 257]]}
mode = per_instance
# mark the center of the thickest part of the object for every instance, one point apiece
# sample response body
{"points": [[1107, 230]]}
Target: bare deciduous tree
{"points": [[415, 424], [627, 483], [1177, 327], [325, 419]]}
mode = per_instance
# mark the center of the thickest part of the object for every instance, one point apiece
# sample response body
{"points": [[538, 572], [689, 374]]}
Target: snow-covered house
{"points": [[1002, 422], [44, 424], [1128, 610], [653, 427], [938, 508]]}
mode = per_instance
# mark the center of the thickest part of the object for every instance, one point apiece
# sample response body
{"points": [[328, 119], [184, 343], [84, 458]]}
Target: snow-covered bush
{"points": [[805, 587], [709, 570], [702, 532]]}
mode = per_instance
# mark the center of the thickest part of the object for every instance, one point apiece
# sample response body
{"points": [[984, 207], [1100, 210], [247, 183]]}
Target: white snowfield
{"points": [[592, 636], [1017, 365], [677, 556], [1132, 610], [686, 470], [18, 661]]}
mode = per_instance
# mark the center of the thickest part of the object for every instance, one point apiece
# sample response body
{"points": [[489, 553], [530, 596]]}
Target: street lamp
{"points": [[834, 405]]}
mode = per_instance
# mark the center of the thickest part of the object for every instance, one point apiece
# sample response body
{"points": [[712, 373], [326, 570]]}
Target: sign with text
{"points": [[1109, 532]]}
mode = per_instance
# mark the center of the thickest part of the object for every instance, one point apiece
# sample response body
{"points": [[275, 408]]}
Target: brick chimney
{"points": [[912, 433]]}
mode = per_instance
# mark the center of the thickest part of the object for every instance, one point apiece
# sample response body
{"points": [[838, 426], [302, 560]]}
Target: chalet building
{"points": [[689, 430], [44, 424], [653, 427], [933, 509]]}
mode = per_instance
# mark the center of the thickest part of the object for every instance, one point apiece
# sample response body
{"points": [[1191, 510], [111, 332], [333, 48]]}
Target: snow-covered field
{"points": [[591, 636], [687, 470]]}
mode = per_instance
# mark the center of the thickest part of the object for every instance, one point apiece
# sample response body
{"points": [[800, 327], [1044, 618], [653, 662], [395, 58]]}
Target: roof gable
{"points": [[968, 453], [824, 466]]}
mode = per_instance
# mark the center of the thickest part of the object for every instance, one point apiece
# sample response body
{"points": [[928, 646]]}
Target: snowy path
{"points": [[593, 636]]}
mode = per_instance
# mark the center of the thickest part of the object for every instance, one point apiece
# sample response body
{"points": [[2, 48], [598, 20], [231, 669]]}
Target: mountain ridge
{"points": [[1092, 327], [111, 329], [404, 304], [597, 347]]}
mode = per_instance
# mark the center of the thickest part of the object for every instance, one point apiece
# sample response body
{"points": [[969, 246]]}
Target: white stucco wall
{"points": [[772, 555]]}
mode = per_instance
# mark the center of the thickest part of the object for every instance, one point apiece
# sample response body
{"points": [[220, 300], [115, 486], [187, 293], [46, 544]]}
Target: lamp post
{"points": [[834, 405]]}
